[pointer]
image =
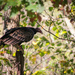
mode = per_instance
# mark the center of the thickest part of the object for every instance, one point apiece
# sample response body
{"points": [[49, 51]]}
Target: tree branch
{"points": [[54, 34]]}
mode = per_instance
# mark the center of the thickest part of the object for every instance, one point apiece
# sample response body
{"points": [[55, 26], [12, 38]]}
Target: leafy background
{"points": [[53, 52]]}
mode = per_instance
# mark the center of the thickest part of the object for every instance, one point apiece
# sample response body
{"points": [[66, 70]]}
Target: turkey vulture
{"points": [[16, 36]]}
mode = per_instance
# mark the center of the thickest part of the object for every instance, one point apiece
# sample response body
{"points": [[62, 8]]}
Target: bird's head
{"points": [[39, 30]]}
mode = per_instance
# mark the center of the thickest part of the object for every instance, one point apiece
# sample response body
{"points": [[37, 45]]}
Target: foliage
{"points": [[49, 50]]}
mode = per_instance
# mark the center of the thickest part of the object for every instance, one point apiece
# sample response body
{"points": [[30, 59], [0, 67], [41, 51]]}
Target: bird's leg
{"points": [[20, 48]]}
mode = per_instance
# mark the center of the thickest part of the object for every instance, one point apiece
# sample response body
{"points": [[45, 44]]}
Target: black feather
{"points": [[18, 35]]}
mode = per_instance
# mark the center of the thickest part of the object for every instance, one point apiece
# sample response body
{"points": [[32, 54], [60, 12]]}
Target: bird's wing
{"points": [[22, 35], [10, 40]]}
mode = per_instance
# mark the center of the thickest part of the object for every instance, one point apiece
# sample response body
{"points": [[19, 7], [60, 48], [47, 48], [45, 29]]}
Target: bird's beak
{"points": [[39, 30]]}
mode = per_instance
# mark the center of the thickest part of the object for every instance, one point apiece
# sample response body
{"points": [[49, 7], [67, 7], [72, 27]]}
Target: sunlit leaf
{"points": [[47, 44], [14, 54], [65, 71], [34, 43], [54, 28], [57, 34], [63, 32], [38, 39], [40, 72]]}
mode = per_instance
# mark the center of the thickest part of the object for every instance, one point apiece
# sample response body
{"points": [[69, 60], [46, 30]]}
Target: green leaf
{"points": [[0, 14], [56, 66], [47, 23], [73, 7], [18, 2], [44, 39], [6, 7], [58, 51], [59, 44], [8, 51], [52, 44], [23, 16], [50, 8], [14, 11], [12, 2], [50, 47], [23, 46], [60, 16], [6, 46], [53, 57], [35, 8], [6, 61], [40, 9], [71, 60], [32, 7], [22, 12], [41, 54], [69, 71], [54, 28], [32, 1]]}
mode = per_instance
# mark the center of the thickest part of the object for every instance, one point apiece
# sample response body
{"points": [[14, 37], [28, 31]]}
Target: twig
{"points": [[54, 34]]}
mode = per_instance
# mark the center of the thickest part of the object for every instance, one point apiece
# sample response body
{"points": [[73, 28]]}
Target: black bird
{"points": [[16, 36]]}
